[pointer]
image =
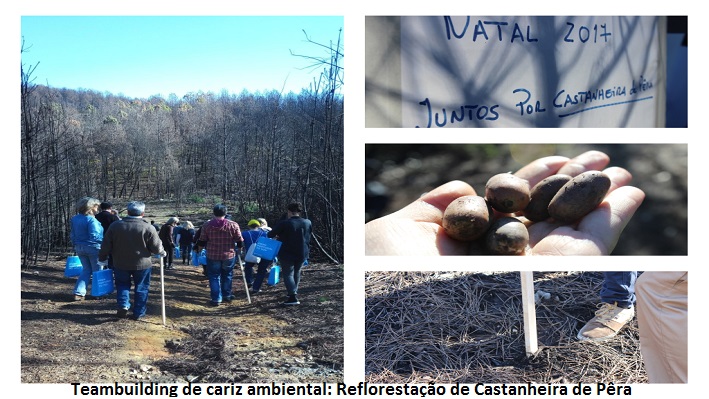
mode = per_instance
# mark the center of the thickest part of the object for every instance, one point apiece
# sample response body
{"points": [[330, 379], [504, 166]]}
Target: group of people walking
{"points": [[222, 238], [102, 239]]}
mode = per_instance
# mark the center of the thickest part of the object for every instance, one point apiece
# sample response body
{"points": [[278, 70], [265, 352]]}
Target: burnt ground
{"points": [[467, 327], [397, 174], [65, 341]]}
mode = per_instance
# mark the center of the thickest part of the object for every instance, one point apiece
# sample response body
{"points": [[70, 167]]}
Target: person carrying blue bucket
{"points": [[294, 233], [86, 236]]}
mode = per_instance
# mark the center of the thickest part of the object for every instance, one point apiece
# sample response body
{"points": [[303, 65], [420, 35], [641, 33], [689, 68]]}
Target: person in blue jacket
{"points": [[250, 237], [294, 233], [86, 236]]}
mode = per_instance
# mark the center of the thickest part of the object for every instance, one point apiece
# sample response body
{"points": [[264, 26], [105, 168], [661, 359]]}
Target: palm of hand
{"points": [[416, 229]]}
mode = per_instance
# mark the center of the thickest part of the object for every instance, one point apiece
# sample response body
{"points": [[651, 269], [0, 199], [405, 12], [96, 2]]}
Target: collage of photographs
{"points": [[512, 192], [190, 185]]}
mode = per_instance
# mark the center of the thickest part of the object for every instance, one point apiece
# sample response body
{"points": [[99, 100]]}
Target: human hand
{"points": [[163, 254], [416, 229], [102, 264]]}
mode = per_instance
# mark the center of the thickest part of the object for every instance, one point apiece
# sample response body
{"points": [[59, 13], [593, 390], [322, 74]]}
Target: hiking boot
{"points": [[229, 298], [78, 297], [609, 319], [292, 300], [122, 313]]}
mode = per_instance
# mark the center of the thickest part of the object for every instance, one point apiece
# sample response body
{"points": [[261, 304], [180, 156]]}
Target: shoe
{"points": [[609, 319], [136, 317], [214, 304], [169, 267], [292, 300], [78, 297], [229, 298], [255, 292], [122, 313]]}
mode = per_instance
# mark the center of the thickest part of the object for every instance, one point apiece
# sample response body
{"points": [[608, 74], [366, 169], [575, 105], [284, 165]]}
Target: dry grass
{"points": [[448, 327]]}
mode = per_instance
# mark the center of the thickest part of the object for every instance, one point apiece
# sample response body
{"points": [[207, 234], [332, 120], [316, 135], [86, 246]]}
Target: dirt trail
{"points": [[65, 341]]}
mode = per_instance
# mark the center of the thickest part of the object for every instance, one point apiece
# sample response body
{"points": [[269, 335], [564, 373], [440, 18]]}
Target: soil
{"points": [[467, 327], [66, 341]]}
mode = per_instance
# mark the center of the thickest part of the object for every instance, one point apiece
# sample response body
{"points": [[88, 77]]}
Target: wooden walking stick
{"points": [[530, 315], [162, 289], [246, 286]]}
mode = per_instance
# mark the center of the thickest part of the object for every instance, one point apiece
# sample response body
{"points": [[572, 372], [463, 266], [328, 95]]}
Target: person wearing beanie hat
{"points": [[219, 235], [254, 222]]}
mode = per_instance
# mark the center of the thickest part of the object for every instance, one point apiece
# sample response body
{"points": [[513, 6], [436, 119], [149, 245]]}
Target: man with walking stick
{"points": [[131, 241], [219, 235]]}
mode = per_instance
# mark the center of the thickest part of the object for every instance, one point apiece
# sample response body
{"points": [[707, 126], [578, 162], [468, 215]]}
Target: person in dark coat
{"points": [[131, 241], [167, 239], [107, 216], [185, 240], [294, 233]]}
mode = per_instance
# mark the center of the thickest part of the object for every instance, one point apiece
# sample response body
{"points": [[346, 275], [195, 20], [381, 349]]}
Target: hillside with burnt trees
{"points": [[255, 152]]}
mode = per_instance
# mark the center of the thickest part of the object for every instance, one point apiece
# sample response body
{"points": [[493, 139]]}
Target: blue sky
{"points": [[141, 56]]}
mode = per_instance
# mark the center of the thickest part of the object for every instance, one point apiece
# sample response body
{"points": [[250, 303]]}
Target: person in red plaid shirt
{"points": [[219, 236]]}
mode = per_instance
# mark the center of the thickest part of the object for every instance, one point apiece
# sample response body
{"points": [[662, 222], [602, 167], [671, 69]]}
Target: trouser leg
{"points": [[662, 321]]}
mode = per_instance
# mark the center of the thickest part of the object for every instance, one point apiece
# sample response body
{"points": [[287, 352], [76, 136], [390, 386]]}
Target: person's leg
{"points": [[227, 277], [170, 254], [214, 273], [662, 324], [142, 287], [88, 256], [296, 276], [249, 273], [287, 269], [83, 280], [122, 280], [619, 288], [288, 273], [618, 297], [261, 274], [183, 254]]}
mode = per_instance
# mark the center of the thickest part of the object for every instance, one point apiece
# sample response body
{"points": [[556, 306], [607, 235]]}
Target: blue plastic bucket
{"points": [[73, 266], [195, 258], [177, 253], [274, 275]]}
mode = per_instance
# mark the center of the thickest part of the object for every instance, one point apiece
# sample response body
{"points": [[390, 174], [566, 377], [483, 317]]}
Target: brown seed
{"points": [[507, 236], [541, 195], [579, 196], [507, 193], [467, 218]]}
